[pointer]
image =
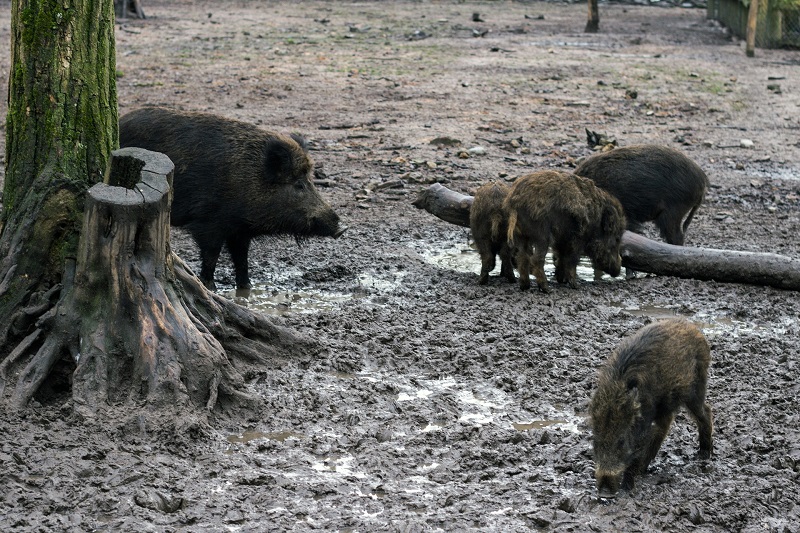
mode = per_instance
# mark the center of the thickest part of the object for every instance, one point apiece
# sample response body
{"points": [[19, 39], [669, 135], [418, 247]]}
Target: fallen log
{"points": [[645, 255]]}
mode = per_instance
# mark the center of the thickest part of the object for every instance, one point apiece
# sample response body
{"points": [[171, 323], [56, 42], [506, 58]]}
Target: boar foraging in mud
{"points": [[489, 224], [233, 182], [650, 375], [570, 213], [653, 183]]}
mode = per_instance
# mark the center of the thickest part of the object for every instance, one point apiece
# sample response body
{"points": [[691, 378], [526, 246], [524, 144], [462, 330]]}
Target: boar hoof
{"points": [[483, 279], [606, 495]]}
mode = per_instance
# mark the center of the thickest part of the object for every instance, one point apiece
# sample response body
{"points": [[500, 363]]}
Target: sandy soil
{"points": [[438, 403]]}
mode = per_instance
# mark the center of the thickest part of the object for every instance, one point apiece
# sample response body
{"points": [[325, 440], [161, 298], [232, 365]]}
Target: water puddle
{"points": [[537, 424], [280, 295], [714, 323], [570, 44], [273, 301], [651, 311], [463, 258], [280, 298], [479, 404], [340, 464]]}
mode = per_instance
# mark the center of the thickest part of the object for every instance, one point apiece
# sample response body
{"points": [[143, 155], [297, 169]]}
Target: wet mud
{"points": [[436, 403]]}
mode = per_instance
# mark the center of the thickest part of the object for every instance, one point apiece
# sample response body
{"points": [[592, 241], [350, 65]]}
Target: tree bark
{"points": [[645, 255], [60, 129], [593, 20]]}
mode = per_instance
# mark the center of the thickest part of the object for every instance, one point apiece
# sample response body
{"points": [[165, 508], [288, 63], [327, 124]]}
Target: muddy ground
{"points": [[438, 404]]}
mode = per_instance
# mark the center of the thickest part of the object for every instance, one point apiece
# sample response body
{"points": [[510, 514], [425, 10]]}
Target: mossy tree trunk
{"points": [[93, 303], [60, 129]]}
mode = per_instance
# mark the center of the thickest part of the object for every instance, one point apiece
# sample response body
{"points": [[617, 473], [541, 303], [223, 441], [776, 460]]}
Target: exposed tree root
{"points": [[139, 327]]}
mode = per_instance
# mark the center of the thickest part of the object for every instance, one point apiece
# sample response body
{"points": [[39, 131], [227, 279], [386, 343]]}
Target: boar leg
{"points": [[658, 433], [506, 265], [239, 248], [701, 412], [566, 258], [523, 256], [487, 265], [670, 227], [561, 275], [537, 260], [209, 254], [629, 477]]}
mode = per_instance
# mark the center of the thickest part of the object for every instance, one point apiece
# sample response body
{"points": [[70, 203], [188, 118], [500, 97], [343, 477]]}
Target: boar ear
{"points": [[299, 139], [277, 161], [633, 394], [609, 221]]}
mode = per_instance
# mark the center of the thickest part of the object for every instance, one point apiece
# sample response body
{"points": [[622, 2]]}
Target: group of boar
{"points": [[662, 367], [234, 181], [584, 213]]}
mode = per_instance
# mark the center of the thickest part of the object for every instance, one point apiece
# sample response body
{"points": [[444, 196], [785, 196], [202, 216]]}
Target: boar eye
{"points": [[299, 185]]}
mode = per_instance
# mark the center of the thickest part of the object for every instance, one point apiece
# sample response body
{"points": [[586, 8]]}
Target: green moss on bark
{"points": [[60, 129]]}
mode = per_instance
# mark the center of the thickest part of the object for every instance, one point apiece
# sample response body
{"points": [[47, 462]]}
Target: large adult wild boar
{"points": [[233, 181], [653, 183]]}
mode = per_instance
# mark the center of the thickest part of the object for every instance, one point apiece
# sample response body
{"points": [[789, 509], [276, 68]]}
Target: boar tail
{"points": [[689, 218], [512, 225], [497, 227]]}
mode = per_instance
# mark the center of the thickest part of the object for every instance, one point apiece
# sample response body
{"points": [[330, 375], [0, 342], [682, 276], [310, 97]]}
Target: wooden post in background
{"points": [[752, 19]]}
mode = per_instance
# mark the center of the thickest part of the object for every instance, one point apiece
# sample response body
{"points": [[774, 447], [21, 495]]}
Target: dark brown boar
{"points": [[650, 375], [653, 183], [233, 182], [489, 224], [569, 213]]}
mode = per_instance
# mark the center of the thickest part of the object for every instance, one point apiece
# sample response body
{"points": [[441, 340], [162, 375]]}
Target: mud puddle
{"points": [[714, 324], [464, 258], [283, 297], [477, 404]]}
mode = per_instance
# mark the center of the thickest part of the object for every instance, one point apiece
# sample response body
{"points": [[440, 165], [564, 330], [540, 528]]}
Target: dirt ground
{"points": [[438, 404]]}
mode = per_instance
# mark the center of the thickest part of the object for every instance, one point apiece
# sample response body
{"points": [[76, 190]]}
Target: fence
{"points": [[778, 20]]}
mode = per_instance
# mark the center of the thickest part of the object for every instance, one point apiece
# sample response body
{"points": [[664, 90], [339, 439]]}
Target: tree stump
{"points": [[645, 255], [133, 322]]}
